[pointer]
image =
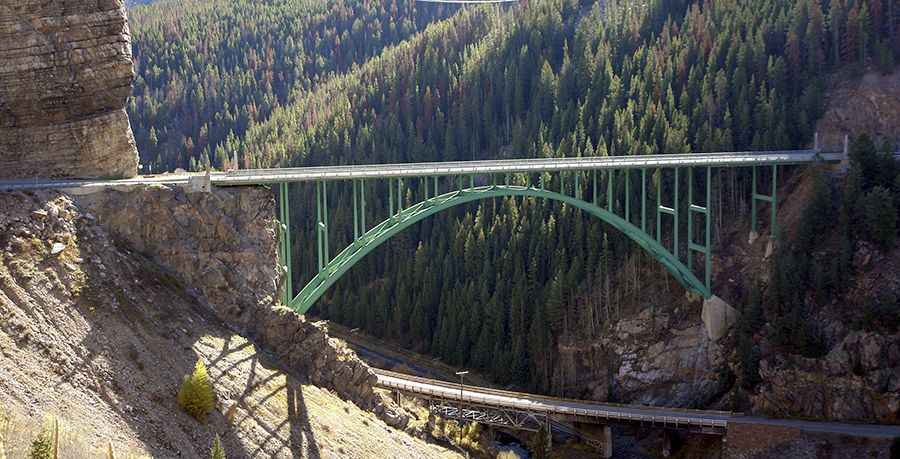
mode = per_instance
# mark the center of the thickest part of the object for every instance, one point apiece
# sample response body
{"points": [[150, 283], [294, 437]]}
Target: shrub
{"points": [[217, 451], [196, 396], [41, 447]]}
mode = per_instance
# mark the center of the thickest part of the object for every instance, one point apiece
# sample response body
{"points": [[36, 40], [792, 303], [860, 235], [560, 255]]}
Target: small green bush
{"points": [[41, 447], [217, 451], [196, 396]]}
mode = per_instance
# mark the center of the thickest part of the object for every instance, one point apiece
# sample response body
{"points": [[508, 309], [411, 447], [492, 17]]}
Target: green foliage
{"points": [[880, 216], [208, 69], [495, 284], [42, 446], [196, 396], [217, 451]]}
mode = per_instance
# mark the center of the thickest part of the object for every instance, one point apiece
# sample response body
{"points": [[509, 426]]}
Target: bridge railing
{"points": [[539, 404]]}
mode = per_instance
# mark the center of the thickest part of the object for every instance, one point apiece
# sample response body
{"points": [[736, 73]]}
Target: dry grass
{"points": [[17, 433]]}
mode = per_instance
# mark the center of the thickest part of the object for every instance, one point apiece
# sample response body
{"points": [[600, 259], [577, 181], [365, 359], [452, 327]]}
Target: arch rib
{"points": [[373, 238]]}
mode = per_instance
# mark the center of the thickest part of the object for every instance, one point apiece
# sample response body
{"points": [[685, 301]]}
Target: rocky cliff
{"points": [[222, 246], [98, 335], [65, 74]]}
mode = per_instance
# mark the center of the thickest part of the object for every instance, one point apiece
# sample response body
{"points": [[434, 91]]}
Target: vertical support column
{"points": [[709, 207], [362, 206], [355, 211], [644, 200], [359, 209], [285, 245], [437, 190], [772, 199], [577, 184], [322, 224], [399, 195], [661, 210], [390, 188], [754, 232], [628, 195], [706, 247], [595, 187], [675, 214], [610, 176], [690, 228], [774, 205], [659, 206]]}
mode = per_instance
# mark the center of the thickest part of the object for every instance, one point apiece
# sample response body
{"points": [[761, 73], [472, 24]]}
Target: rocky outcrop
{"points": [[328, 362], [870, 105], [859, 380], [222, 246], [65, 74], [746, 440], [655, 358]]}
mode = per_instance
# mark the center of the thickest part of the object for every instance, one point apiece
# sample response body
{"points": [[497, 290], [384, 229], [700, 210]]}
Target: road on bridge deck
{"points": [[613, 412], [457, 168]]}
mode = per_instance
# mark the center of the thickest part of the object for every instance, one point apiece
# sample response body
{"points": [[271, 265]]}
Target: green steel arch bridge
{"points": [[584, 183], [673, 188]]}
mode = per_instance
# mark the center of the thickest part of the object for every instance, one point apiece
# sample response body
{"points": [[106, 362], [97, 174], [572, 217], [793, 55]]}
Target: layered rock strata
{"points": [[65, 74]]}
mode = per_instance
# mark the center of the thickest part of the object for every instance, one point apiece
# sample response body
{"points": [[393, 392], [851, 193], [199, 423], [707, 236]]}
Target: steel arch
{"points": [[339, 265]]}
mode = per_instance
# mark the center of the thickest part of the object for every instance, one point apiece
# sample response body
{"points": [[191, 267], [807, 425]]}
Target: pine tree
{"points": [[42, 447], [217, 451], [196, 396]]}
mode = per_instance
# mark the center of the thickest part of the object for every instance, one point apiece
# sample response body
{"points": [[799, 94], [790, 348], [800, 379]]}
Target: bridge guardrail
{"points": [[501, 392], [447, 390]]}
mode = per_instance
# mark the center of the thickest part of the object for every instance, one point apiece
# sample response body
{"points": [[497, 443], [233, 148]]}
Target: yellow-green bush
{"points": [[42, 447], [196, 396], [217, 451]]}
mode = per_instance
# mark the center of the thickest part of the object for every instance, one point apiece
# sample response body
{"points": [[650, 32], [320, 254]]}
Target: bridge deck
{"points": [[507, 166], [377, 171], [585, 411], [574, 409]]}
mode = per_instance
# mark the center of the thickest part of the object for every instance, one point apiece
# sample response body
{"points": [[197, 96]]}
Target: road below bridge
{"points": [[713, 422]]}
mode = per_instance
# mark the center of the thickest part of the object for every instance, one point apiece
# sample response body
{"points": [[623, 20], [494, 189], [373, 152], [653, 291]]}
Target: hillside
{"points": [[504, 280], [99, 336], [209, 69]]}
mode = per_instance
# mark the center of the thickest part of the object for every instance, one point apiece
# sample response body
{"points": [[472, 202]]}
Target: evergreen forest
{"points": [[497, 286]]}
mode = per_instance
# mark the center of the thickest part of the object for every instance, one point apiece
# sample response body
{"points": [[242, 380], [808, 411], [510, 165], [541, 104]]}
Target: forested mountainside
{"points": [[207, 69], [498, 286], [495, 286]]}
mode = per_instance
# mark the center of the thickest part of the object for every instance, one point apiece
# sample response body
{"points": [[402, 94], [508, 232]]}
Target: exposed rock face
{"points": [[758, 441], [65, 74], [859, 380], [868, 105], [653, 359], [222, 244]]}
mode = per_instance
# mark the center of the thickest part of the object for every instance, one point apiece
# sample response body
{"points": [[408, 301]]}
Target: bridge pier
{"points": [[753, 237], [718, 316], [599, 436]]}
